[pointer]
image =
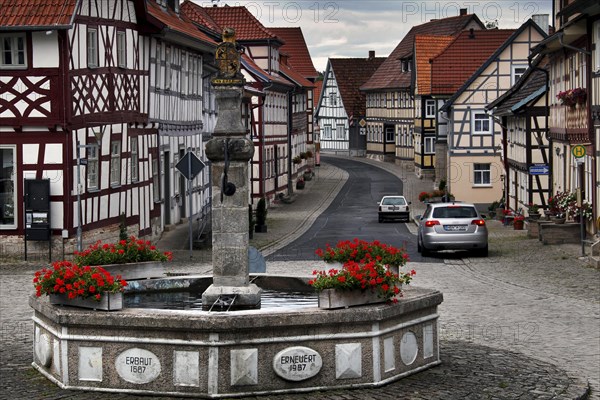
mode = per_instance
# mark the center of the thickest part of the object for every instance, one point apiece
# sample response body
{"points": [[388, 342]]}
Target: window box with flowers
{"points": [[366, 273], [131, 259], [572, 97], [89, 287]]}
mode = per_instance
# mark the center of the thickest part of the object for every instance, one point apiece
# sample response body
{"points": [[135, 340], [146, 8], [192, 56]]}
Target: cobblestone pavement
{"points": [[523, 323]]}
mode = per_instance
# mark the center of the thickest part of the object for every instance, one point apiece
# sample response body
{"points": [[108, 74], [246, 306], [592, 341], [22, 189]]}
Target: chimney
{"points": [[463, 12], [542, 21], [471, 33], [371, 54]]}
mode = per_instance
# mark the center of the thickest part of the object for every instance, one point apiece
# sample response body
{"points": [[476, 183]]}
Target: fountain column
{"points": [[230, 152]]}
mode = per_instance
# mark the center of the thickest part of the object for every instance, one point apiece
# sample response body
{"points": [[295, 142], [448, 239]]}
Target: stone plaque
{"points": [[297, 363], [138, 366]]}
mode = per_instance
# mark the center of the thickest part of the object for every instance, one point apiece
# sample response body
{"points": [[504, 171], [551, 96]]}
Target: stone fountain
{"points": [[246, 350]]}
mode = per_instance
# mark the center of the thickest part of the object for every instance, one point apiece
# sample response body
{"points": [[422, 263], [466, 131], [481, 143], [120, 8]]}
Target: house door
{"points": [[166, 173], [389, 139]]}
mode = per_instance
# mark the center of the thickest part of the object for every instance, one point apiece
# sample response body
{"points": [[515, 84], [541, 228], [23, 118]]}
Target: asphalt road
{"points": [[353, 214]]}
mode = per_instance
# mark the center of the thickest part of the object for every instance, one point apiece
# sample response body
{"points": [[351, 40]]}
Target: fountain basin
{"points": [[216, 354]]}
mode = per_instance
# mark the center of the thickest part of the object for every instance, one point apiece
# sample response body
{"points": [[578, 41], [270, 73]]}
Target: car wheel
{"points": [[419, 248], [380, 219], [483, 252], [425, 252]]}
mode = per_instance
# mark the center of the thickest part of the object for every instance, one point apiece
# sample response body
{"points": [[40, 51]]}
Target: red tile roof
{"points": [[317, 93], [198, 14], [260, 74], [36, 13], [350, 74], [247, 27], [178, 23], [461, 58], [295, 47], [390, 75], [427, 47]]}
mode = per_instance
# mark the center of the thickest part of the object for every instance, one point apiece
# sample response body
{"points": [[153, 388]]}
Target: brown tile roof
{"points": [[247, 27], [350, 74], [427, 47], [295, 76], [260, 74], [197, 14], [461, 58], [390, 75], [295, 47], [36, 13], [180, 24]]}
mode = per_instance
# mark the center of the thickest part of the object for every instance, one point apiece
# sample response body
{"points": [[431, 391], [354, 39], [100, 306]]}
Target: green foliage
{"points": [[123, 228]]}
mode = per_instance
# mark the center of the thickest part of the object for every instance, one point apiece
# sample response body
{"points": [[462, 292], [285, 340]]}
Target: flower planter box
{"points": [[108, 302], [333, 298], [133, 271], [307, 176]]}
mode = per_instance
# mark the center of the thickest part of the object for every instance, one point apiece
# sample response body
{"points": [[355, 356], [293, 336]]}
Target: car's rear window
{"points": [[454, 212], [394, 201]]}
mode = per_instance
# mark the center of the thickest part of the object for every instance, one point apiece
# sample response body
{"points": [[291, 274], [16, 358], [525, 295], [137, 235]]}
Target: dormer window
{"points": [[406, 65]]}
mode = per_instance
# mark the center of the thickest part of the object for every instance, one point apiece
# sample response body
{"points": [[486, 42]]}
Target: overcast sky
{"points": [[350, 28]]}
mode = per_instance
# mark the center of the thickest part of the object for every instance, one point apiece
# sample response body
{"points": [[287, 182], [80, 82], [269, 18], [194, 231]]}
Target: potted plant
{"points": [[296, 160], [533, 211], [367, 272], [309, 154], [308, 174], [518, 222], [132, 258], [300, 184], [69, 284], [261, 216]]}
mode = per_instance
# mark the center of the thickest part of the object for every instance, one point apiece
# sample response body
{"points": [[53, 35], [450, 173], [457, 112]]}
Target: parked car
{"points": [[452, 226], [394, 207]]}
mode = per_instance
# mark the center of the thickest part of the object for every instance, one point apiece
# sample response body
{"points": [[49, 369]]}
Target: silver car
{"points": [[452, 226]]}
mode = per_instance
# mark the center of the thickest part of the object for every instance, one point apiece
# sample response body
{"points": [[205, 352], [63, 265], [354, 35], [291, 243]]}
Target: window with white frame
{"points": [[410, 137], [481, 174], [8, 195], [430, 108], [92, 47], [327, 132], [167, 67], [13, 50], [481, 123], [155, 180], [115, 163], [135, 159], [92, 166], [121, 49], [158, 64], [333, 99], [340, 132], [429, 145], [517, 72]]}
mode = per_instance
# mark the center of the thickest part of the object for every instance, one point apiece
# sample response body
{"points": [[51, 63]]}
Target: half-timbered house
{"points": [[182, 109], [523, 115], [341, 110], [450, 69], [427, 118], [574, 97], [474, 139], [73, 84], [390, 91]]}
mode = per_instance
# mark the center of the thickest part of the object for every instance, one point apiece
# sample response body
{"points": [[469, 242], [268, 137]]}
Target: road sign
{"points": [[578, 151], [539, 169], [190, 165]]}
